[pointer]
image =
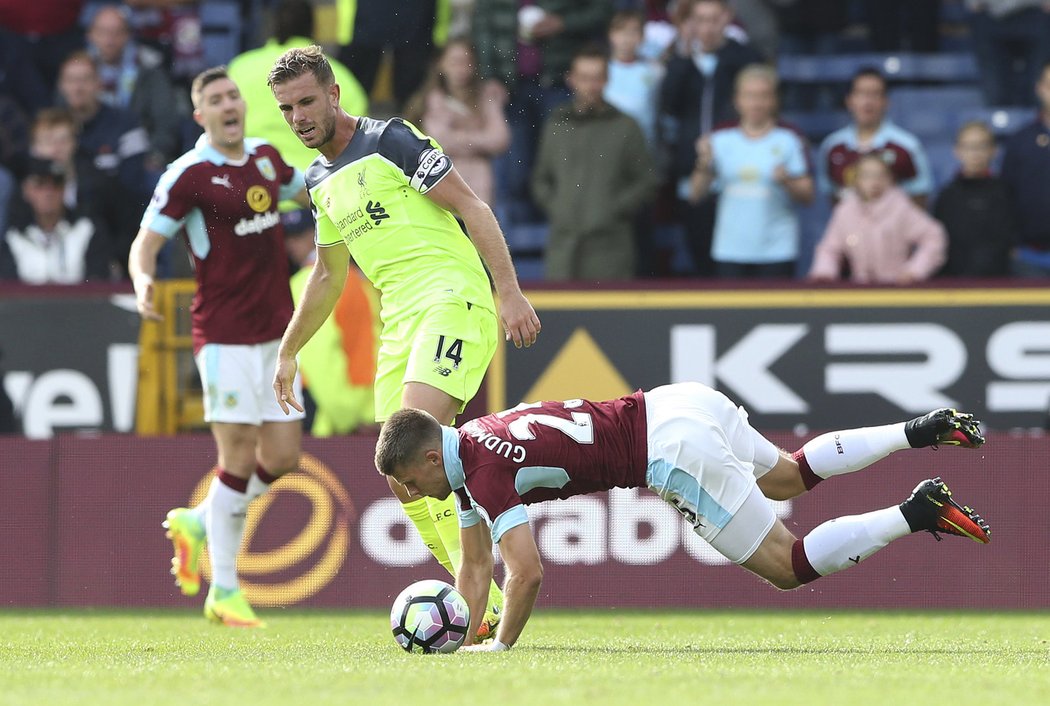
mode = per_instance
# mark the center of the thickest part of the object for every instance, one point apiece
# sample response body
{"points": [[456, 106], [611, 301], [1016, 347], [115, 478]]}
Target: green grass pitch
{"points": [[596, 658]]}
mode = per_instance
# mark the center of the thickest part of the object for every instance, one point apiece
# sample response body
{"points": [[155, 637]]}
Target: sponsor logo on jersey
{"points": [[257, 223], [224, 180], [376, 211], [351, 229], [266, 168], [258, 198]]}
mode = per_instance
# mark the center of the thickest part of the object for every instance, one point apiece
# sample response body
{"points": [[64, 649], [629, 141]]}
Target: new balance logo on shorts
{"points": [[443, 371]]}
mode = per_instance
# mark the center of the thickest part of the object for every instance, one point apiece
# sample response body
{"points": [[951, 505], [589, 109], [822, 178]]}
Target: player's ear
{"points": [[334, 92], [197, 118], [433, 457]]}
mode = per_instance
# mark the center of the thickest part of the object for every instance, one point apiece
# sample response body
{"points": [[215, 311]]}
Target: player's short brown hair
{"points": [[626, 17], [52, 117], [202, 79], [403, 437], [296, 62]]}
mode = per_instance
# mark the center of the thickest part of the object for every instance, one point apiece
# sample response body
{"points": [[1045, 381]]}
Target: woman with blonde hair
{"points": [[464, 115]]}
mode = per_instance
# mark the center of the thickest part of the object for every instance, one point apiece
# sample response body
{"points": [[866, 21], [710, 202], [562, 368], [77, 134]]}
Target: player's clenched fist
{"points": [[282, 384]]}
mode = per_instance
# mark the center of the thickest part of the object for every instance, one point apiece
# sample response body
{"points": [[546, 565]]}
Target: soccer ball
{"points": [[430, 616]]}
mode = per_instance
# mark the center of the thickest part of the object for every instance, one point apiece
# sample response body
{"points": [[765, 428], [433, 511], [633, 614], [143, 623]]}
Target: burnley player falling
{"points": [[686, 442], [223, 194]]}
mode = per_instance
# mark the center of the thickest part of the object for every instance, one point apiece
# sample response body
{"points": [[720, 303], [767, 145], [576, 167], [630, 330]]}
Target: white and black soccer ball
{"points": [[430, 616]]}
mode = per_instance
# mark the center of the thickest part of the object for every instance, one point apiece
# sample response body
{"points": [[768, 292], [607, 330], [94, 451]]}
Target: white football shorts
{"points": [[238, 384], [702, 454]]}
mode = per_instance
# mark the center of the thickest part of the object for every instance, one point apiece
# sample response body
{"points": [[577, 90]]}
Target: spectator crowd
{"points": [[615, 139]]}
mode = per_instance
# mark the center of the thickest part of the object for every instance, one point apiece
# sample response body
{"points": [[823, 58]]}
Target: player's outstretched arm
{"points": [[142, 265], [524, 576], [319, 297], [475, 573], [520, 322]]}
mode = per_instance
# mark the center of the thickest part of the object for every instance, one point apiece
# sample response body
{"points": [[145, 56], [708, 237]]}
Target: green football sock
{"points": [[446, 525], [419, 513], [443, 513]]}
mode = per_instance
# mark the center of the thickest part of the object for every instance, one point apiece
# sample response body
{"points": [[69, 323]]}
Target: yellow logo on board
{"points": [[580, 369], [258, 198], [307, 561]]}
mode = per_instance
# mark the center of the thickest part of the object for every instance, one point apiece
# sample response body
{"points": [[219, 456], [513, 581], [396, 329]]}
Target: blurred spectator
{"points": [[173, 27], [7, 191], [1012, 42], [9, 423], [593, 172], [759, 168], [761, 23], [368, 28], [696, 95], [22, 93], [134, 78], [48, 244], [879, 233], [870, 132], [293, 26], [50, 31], [338, 364], [527, 46], [1026, 171], [113, 143], [904, 25], [464, 115], [20, 80], [975, 208], [634, 83]]}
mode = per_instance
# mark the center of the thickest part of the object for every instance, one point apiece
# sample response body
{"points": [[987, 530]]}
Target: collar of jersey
{"points": [[205, 149], [450, 453]]}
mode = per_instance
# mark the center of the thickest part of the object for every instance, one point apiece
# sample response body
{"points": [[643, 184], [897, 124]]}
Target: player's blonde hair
{"points": [[403, 437], [299, 61]]}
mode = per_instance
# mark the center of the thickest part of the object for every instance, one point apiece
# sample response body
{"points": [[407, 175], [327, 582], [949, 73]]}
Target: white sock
{"points": [[201, 511], [839, 452], [225, 531], [256, 487], [846, 541]]}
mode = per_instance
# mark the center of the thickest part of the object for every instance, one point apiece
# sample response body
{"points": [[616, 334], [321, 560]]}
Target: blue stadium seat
{"points": [[816, 124], [944, 97], [526, 237], [221, 31], [946, 67], [942, 162], [1003, 121]]}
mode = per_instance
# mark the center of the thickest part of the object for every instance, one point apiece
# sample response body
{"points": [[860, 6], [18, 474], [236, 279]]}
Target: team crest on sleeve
{"points": [[258, 198], [266, 168]]}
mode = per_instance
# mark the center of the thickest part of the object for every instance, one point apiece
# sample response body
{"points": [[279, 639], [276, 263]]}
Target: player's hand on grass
{"points": [[144, 297], [282, 384], [520, 323], [490, 646]]}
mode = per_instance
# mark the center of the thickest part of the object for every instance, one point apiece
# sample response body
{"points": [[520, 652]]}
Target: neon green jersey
{"points": [[372, 199]]}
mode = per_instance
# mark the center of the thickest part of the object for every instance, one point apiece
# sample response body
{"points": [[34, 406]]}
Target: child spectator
{"points": [[879, 233], [634, 84], [463, 115], [975, 209], [48, 244]]}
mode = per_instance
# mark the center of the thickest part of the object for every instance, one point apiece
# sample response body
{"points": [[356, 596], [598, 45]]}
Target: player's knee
{"points": [[277, 464]]}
